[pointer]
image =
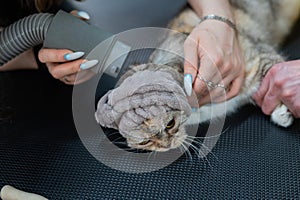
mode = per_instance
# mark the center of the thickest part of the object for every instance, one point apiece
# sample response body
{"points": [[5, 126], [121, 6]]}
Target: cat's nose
{"points": [[159, 135]]}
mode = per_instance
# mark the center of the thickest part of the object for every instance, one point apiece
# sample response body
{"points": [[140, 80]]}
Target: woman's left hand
{"points": [[213, 46], [66, 65]]}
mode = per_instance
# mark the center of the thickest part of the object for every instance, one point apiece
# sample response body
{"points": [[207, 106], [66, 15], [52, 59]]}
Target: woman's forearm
{"points": [[26, 60]]}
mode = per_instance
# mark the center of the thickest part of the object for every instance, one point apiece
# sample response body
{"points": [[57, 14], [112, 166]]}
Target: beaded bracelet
{"points": [[219, 18]]}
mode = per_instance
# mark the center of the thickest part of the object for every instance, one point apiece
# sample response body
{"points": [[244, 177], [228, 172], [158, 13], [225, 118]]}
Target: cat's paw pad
{"points": [[282, 116]]}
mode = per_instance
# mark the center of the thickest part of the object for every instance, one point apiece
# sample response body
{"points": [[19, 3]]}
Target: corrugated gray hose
{"points": [[22, 35], [53, 31]]}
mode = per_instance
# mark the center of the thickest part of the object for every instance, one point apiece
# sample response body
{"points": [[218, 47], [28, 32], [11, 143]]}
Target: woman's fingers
{"points": [[58, 55], [64, 69], [61, 70], [190, 64], [63, 64]]}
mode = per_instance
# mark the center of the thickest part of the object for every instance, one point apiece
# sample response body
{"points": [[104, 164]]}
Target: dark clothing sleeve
{"points": [[13, 10]]}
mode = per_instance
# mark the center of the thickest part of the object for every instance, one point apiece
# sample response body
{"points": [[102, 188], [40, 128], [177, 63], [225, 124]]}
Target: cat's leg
{"points": [[259, 58], [281, 116], [218, 110]]}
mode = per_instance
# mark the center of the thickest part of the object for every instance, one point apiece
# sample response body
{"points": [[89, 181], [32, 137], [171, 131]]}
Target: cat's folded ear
{"points": [[132, 65], [176, 65]]}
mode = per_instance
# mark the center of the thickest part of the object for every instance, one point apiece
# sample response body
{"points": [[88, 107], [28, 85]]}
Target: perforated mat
{"points": [[41, 152]]}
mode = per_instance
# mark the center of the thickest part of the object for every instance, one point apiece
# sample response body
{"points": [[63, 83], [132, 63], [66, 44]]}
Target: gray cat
{"points": [[153, 116]]}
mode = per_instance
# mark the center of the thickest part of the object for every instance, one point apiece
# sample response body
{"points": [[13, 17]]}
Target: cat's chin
{"points": [[154, 148]]}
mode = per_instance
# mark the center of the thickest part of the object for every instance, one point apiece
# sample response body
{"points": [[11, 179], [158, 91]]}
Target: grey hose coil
{"points": [[22, 35]]}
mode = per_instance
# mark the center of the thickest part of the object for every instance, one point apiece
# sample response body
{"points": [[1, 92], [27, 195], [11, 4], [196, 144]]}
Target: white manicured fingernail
{"points": [[83, 14], [73, 56], [187, 82], [88, 64]]}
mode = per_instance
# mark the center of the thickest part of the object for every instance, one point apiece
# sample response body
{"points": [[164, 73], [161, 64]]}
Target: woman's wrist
{"points": [[217, 7], [220, 19]]}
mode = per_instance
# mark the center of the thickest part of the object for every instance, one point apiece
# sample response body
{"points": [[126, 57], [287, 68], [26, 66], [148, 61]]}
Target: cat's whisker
{"points": [[149, 155], [209, 150], [196, 150], [204, 157], [154, 153], [192, 140], [226, 129], [113, 133], [201, 145], [116, 139], [195, 142], [207, 137], [187, 151], [120, 143], [193, 147], [183, 151]]}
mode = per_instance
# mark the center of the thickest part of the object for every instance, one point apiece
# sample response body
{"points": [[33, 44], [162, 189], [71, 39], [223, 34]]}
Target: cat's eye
{"points": [[171, 124], [144, 142]]}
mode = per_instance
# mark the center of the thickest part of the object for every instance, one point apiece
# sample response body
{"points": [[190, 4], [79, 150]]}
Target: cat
{"points": [[161, 126]]}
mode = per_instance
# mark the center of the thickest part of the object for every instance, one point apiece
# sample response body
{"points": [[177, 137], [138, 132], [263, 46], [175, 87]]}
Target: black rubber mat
{"points": [[41, 152]]}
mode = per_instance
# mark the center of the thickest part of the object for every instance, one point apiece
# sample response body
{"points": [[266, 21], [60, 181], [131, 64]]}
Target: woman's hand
{"points": [[280, 85], [64, 64], [213, 62]]}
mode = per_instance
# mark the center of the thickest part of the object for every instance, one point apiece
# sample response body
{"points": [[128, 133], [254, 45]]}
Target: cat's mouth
{"points": [[160, 145]]}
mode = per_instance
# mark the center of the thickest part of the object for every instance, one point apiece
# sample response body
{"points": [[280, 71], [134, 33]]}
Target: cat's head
{"points": [[148, 108], [161, 133]]}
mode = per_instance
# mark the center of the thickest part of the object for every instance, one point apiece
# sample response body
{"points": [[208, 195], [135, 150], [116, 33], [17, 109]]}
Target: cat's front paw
{"points": [[282, 116]]}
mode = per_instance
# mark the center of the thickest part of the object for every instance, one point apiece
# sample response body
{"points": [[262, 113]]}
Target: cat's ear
{"points": [[132, 65], [177, 65]]}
